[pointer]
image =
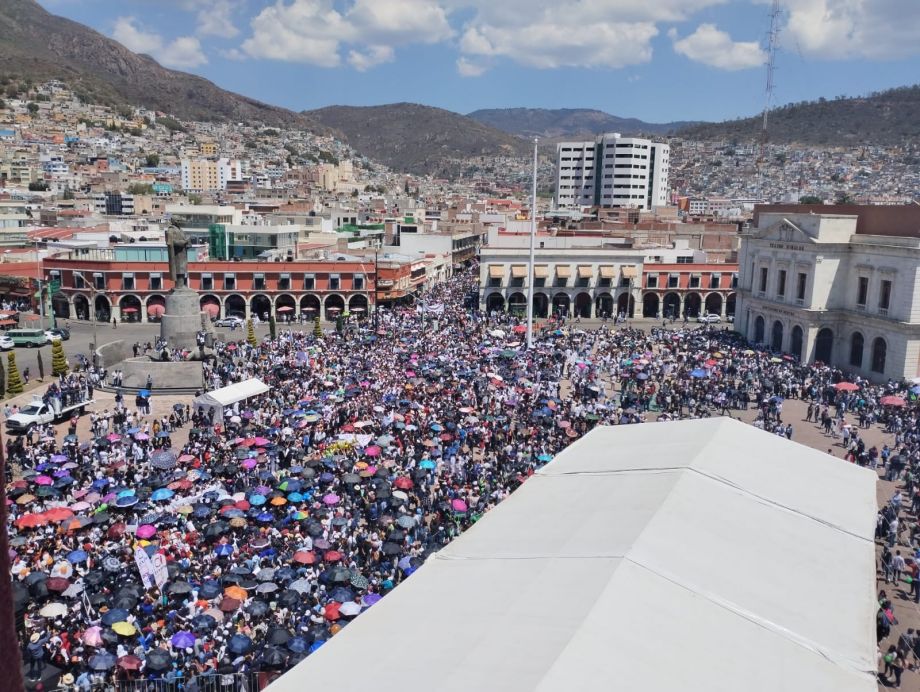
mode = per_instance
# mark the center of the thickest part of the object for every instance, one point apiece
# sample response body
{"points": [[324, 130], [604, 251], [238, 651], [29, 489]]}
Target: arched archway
{"points": [[156, 306], [692, 304], [603, 305], [309, 306], [234, 305], [776, 336], [60, 306], [130, 308], [671, 306], [333, 306], [102, 309], [730, 305], [583, 305], [714, 304], [561, 303], [517, 304], [210, 304], [540, 305], [857, 345], [796, 340], [285, 307], [879, 354], [495, 302], [824, 345], [261, 306], [357, 305], [626, 304], [81, 306], [760, 329], [650, 302]]}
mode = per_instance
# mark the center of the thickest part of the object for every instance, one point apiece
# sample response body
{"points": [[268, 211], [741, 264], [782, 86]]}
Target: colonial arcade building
{"points": [[835, 284]]}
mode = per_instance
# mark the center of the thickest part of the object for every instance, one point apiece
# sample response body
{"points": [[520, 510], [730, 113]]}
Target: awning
{"points": [[585, 271], [563, 271], [496, 271], [540, 271], [608, 271], [7, 323], [518, 271], [629, 271]]}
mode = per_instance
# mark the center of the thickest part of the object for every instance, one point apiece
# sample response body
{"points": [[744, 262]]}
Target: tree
{"points": [[140, 189], [317, 328], [272, 327], [14, 381], [251, 333], [2, 104], [32, 108], [810, 199], [68, 193], [41, 366], [843, 198], [58, 359], [153, 160], [38, 186]]}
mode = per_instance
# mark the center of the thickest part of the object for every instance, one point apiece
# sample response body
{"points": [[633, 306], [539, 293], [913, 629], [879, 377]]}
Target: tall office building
{"points": [[209, 175], [612, 171]]}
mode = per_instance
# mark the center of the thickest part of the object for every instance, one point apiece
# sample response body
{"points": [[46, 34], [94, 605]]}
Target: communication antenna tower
{"points": [[772, 44]]}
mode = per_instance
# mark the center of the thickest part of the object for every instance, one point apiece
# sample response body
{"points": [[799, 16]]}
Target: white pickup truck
{"points": [[38, 413]]}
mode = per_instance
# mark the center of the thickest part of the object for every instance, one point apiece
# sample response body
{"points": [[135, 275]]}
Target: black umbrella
{"points": [[396, 536], [266, 587], [110, 617], [351, 478], [101, 518], [239, 644], [179, 588], [102, 661], [210, 589], [124, 602], [285, 574], [111, 564], [391, 549], [98, 599], [278, 635], [164, 459], [202, 623], [20, 597], [158, 659], [34, 578], [257, 608], [342, 595], [314, 528], [339, 575], [273, 658], [216, 529], [94, 579], [288, 598]]}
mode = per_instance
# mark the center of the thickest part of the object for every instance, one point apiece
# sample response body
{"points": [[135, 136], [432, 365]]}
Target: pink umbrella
{"points": [[563, 424], [113, 437], [331, 499], [372, 451], [80, 506], [80, 493], [458, 505], [186, 457], [142, 436], [250, 464], [43, 480], [260, 441], [93, 636], [146, 531]]}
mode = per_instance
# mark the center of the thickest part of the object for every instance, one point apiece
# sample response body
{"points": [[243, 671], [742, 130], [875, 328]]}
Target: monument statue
{"points": [[177, 246]]}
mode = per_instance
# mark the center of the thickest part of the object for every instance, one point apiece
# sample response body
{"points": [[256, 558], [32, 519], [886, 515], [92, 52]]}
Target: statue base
{"points": [[183, 319]]}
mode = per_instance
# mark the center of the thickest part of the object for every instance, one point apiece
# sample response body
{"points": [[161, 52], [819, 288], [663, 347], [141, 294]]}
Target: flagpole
{"points": [[533, 235]]}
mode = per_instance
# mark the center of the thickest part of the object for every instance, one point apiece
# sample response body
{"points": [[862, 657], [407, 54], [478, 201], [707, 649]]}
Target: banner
{"points": [[145, 567], [160, 573]]}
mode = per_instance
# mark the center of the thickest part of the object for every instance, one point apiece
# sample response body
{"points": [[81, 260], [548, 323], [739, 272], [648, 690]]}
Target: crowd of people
{"points": [[280, 521]]}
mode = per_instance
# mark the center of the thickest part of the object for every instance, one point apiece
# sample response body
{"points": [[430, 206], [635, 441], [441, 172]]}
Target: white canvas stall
{"points": [[697, 555], [219, 399]]}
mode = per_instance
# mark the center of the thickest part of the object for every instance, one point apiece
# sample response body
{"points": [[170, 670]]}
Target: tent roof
{"points": [[692, 555], [239, 391]]}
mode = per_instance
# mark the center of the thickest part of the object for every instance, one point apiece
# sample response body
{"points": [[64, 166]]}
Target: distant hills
{"points": [[38, 45], [559, 123], [417, 139], [888, 117]]}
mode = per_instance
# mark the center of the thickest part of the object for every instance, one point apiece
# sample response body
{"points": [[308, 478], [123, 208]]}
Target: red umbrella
{"points": [[519, 328], [228, 605], [846, 387], [58, 584], [403, 483], [332, 611], [304, 557], [129, 663], [893, 401], [30, 521], [332, 556], [116, 531], [58, 514]]}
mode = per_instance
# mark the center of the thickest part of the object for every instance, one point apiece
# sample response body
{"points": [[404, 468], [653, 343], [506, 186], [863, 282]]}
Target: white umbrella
{"points": [[54, 610], [350, 609]]}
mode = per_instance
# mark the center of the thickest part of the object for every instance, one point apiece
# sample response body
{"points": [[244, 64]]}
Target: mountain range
{"points": [[557, 123]]}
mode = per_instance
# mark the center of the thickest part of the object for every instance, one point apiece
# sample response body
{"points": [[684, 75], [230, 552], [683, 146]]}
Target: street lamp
{"points": [[92, 288]]}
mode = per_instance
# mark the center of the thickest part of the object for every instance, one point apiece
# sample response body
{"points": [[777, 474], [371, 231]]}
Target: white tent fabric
{"points": [[221, 398], [693, 555]]}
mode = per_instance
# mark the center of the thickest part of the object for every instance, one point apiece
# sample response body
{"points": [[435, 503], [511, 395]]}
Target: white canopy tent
{"points": [[222, 398], [696, 555]]}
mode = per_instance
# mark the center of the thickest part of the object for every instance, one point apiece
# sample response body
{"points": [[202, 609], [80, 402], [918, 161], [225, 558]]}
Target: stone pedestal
{"points": [[183, 319]]}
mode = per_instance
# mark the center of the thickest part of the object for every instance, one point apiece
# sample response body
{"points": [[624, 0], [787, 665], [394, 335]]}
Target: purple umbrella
{"points": [[58, 458], [183, 640], [331, 499], [371, 598]]}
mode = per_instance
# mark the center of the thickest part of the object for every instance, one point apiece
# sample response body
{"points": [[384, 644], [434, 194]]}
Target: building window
{"points": [[884, 296], [539, 281], [800, 286], [862, 290], [229, 282], [156, 282], [605, 282], [309, 282], [879, 352], [284, 282], [715, 280], [495, 282], [334, 282], [781, 283], [560, 281], [78, 281], [652, 281], [694, 281], [127, 282], [207, 282], [258, 282], [358, 283], [673, 280], [856, 350], [763, 279]]}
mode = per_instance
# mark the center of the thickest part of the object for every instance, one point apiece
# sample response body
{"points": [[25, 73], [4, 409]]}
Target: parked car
{"points": [[230, 321], [28, 337], [58, 333], [709, 318], [6, 343]]}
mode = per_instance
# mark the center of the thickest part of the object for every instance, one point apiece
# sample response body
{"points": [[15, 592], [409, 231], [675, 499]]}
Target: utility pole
{"points": [[533, 235]]}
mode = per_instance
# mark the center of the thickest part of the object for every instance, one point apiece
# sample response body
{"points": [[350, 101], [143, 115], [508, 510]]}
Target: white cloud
{"points": [[315, 31], [215, 19], [468, 68], [853, 29], [712, 46], [375, 55], [184, 52]]}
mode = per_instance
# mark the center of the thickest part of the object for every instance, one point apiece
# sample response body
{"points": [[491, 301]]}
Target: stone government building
{"points": [[838, 284]]}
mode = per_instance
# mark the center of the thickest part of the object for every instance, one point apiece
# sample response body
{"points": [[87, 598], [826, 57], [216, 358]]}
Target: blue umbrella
{"points": [[162, 434], [436, 427], [427, 464], [257, 500], [915, 390], [144, 393], [642, 376], [295, 497], [545, 457], [126, 492], [223, 550], [315, 645], [133, 431], [297, 644], [233, 513], [126, 501], [76, 556], [161, 494], [110, 617], [698, 373], [239, 644], [264, 516]]}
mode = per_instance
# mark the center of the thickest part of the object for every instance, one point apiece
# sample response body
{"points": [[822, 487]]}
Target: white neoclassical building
{"points": [[840, 285]]}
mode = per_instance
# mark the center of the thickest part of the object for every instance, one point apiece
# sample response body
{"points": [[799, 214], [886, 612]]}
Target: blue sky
{"points": [[659, 60]]}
